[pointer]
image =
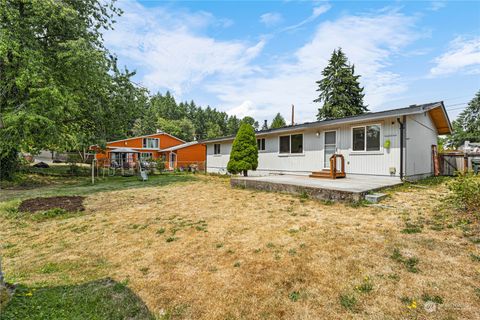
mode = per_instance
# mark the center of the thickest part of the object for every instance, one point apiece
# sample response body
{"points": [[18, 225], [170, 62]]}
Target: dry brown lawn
{"points": [[201, 250]]}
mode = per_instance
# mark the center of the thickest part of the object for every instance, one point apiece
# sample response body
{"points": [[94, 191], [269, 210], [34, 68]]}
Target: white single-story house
{"points": [[387, 143]]}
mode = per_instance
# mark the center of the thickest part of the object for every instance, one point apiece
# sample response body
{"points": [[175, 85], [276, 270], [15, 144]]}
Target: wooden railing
{"points": [[333, 166]]}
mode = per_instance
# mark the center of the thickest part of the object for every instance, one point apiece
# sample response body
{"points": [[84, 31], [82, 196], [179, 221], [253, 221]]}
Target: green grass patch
{"points": [[411, 228], [437, 299], [366, 286], [358, 204], [475, 257], [294, 296], [171, 239], [477, 292], [409, 263], [348, 302], [101, 299], [83, 186]]}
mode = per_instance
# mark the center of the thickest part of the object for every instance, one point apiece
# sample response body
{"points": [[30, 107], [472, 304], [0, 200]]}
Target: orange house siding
{"points": [[193, 154], [166, 141]]}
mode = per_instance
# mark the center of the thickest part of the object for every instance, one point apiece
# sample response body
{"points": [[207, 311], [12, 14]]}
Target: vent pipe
{"points": [[293, 115]]}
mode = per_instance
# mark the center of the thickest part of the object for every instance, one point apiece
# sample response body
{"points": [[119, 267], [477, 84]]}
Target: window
{"points": [[366, 138], [296, 143], [216, 148], [150, 143], [261, 144], [291, 144], [146, 156]]}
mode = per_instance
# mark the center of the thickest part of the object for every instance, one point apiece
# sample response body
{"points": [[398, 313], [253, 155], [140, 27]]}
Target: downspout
{"points": [[402, 129], [206, 154]]}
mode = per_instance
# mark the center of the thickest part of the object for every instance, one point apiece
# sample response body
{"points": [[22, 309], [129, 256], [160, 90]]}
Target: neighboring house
{"points": [[174, 151], [362, 140]]}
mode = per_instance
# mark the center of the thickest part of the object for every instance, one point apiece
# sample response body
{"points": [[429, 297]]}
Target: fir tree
{"points": [[278, 122], [244, 154], [340, 90]]}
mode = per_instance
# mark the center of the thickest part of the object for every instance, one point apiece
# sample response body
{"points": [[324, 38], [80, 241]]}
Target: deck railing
{"points": [[333, 166]]}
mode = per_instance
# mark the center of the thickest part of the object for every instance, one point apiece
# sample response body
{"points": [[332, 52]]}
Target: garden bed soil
{"points": [[68, 203]]}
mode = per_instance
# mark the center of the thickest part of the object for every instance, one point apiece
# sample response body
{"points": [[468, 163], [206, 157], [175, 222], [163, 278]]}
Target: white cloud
{"points": [[463, 55], [369, 41], [317, 11], [170, 51], [437, 5], [271, 19], [246, 108]]}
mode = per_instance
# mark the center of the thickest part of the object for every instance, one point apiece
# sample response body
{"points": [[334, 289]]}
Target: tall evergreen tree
{"points": [[467, 125], [340, 91], [244, 154], [278, 122]]}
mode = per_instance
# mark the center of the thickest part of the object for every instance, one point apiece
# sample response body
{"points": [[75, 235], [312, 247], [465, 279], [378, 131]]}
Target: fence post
{"points": [[465, 162], [93, 170]]}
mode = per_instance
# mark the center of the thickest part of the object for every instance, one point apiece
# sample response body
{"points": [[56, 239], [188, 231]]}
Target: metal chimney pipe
{"points": [[293, 115], [265, 123]]}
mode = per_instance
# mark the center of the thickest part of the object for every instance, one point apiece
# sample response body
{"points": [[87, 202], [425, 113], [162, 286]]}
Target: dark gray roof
{"points": [[413, 109]]}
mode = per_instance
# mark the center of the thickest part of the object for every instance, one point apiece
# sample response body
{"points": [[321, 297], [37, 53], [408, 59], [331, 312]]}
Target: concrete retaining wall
{"points": [[316, 193]]}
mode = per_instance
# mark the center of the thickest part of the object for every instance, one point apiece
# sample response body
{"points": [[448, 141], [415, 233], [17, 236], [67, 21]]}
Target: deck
{"points": [[351, 188]]}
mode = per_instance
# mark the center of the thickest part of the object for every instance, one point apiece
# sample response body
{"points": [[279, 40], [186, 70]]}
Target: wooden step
{"points": [[325, 174]]}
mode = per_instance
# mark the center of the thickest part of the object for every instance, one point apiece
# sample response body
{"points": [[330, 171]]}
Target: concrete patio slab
{"points": [[351, 188]]}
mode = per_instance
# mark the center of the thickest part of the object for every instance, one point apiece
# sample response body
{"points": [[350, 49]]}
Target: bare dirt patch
{"points": [[67, 203]]}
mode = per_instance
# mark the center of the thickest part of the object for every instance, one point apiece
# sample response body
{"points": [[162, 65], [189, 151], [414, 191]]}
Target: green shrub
{"points": [[465, 193], [160, 164]]}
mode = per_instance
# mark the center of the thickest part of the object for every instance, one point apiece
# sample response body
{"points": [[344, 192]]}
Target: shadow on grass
{"points": [[100, 299], [84, 186]]}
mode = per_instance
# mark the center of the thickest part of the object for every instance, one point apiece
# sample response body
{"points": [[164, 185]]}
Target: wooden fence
{"points": [[452, 162]]}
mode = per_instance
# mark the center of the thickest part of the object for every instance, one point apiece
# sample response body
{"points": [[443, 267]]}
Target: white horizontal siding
{"points": [[312, 159], [421, 134]]}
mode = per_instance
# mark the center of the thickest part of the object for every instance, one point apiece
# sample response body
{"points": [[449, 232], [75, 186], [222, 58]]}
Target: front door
{"points": [[330, 146], [173, 160]]}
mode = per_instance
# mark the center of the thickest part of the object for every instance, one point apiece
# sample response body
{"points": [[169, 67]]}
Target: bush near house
{"points": [[244, 154], [465, 193]]}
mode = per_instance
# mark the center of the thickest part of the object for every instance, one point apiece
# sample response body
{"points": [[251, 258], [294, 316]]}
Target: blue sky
{"points": [[258, 58]]}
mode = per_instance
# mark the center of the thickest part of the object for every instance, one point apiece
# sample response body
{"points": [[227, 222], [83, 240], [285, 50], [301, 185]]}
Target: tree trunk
{"points": [[245, 173]]}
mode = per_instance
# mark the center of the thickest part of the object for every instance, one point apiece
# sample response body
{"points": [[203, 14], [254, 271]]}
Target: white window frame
{"points": [[264, 144], [219, 149], [145, 143], [290, 145], [380, 150]]}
